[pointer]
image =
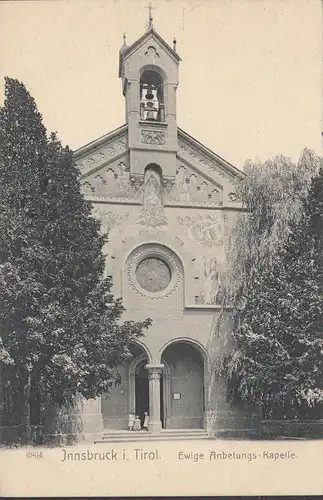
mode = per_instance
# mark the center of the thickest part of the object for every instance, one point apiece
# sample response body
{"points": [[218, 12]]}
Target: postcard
{"points": [[161, 218]]}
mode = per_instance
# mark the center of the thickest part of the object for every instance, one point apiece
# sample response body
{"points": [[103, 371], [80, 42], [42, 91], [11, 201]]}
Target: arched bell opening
{"points": [[151, 96]]}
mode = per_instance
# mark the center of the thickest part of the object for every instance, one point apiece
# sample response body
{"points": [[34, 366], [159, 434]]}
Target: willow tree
{"points": [[60, 329], [273, 195]]}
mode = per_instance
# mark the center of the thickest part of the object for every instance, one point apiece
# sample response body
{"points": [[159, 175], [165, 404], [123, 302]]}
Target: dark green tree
{"points": [[60, 329], [277, 360]]}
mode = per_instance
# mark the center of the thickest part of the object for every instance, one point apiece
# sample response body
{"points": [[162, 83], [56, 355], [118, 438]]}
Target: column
{"points": [[154, 374]]}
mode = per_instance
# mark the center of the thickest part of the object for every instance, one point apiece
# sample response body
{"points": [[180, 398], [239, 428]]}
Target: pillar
{"points": [[92, 419], [154, 374]]}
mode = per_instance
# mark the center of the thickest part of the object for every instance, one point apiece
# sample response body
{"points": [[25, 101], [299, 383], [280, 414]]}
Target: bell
{"points": [[149, 94]]}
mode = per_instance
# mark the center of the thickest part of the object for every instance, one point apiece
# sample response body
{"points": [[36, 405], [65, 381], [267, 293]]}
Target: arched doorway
{"points": [[141, 391], [139, 383], [121, 399], [184, 388]]}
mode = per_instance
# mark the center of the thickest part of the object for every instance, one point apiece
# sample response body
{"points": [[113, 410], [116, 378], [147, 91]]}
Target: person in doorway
{"points": [[146, 421], [131, 421], [137, 424]]}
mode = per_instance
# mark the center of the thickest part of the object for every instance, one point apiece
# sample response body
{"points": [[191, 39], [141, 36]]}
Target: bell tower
{"points": [[149, 72]]}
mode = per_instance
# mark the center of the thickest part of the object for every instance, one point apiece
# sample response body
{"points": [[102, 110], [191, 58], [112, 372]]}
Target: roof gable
{"points": [[196, 153], [102, 151], [203, 179], [150, 34]]}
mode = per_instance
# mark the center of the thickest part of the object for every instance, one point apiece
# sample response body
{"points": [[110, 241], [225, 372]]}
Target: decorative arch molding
{"points": [[153, 67], [145, 349], [199, 347], [136, 362], [161, 238]]}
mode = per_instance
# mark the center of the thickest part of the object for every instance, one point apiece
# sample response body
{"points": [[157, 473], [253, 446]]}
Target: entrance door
{"points": [[142, 392], [185, 406]]}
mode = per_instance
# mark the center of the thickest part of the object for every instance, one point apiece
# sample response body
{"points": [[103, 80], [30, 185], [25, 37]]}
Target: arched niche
{"points": [[155, 169], [153, 188]]}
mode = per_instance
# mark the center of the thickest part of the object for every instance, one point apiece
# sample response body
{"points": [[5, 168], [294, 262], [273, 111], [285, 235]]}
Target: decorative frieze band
{"points": [[116, 148]]}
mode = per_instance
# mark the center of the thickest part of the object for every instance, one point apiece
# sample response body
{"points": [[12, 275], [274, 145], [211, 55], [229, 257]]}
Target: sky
{"points": [[250, 76]]}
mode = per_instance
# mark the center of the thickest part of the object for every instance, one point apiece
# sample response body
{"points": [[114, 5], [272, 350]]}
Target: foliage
{"points": [[272, 195], [60, 329], [278, 341]]}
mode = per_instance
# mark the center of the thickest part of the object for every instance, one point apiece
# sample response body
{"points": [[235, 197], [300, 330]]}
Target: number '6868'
{"points": [[34, 454]]}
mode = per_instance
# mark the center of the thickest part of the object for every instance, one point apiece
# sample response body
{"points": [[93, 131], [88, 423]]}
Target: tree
{"points": [[60, 330], [272, 194], [277, 359]]}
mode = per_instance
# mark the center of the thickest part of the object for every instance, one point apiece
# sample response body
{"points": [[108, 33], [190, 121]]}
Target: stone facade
{"points": [[168, 204]]}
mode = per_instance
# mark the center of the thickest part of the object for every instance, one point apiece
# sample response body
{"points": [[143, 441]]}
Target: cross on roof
{"points": [[150, 16]]}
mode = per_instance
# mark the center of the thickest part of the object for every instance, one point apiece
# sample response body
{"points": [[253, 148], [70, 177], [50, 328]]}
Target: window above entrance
{"points": [[154, 271]]}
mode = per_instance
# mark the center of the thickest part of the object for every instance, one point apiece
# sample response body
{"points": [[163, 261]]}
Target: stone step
{"points": [[183, 431], [134, 435], [162, 430], [164, 435], [151, 438]]}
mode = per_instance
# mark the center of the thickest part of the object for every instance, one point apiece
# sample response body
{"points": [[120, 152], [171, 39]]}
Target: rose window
{"points": [[153, 274], [154, 271]]}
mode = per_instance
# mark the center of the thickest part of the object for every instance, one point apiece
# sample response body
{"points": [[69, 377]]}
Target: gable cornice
{"points": [[104, 139], [209, 154], [183, 136]]}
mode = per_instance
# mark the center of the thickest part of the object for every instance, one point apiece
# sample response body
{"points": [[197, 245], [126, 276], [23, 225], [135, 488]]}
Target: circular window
{"points": [[154, 271], [153, 274]]}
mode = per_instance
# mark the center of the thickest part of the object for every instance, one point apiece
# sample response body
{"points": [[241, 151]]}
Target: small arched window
{"points": [[151, 97]]}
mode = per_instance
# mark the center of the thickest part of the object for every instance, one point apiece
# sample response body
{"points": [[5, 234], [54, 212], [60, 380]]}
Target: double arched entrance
{"points": [[172, 392]]}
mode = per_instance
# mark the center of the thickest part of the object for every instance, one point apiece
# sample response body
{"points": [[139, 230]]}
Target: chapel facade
{"points": [[168, 204]]}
